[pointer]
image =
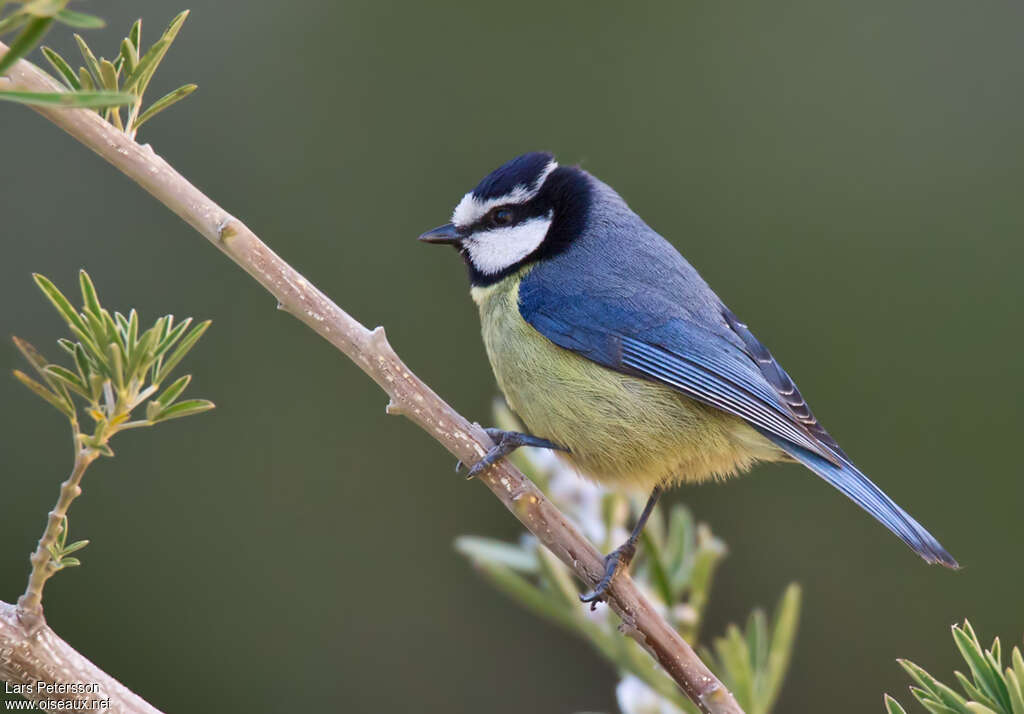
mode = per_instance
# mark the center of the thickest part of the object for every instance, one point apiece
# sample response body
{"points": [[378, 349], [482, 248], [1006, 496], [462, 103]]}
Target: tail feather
{"points": [[858, 488]]}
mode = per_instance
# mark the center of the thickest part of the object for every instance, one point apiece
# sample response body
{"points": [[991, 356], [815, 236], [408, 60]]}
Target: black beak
{"points": [[442, 235]]}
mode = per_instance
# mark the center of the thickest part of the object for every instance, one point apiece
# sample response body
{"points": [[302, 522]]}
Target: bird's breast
{"points": [[620, 429]]}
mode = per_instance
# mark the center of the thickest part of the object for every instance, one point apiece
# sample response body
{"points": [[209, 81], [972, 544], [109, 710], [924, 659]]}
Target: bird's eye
{"points": [[502, 217]]}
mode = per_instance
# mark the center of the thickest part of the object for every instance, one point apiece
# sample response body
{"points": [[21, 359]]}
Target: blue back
{"points": [[623, 297]]}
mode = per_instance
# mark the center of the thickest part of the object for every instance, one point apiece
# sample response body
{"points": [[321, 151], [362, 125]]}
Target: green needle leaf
{"points": [[945, 694], [139, 79], [174, 26], [135, 37], [171, 336], [25, 41], [62, 406], [97, 358], [80, 20], [184, 409], [79, 100], [656, 564], [43, 8], [892, 706], [117, 366], [82, 363], [31, 354], [122, 326], [173, 392], [129, 56], [91, 62], [76, 546], [63, 305], [970, 690], [783, 636], [13, 22], [141, 356], [524, 592], [68, 378], [85, 79], [1018, 664], [494, 552], [757, 642], [108, 73], [976, 708], [557, 576], [63, 68], [89, 298], [132, 338], [165, 101], [187, 343], [1016, 695], [70, 562], [985, 678]]}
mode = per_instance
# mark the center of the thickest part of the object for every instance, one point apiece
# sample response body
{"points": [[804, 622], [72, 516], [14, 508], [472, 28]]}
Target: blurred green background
{"points": [[847, 176]]}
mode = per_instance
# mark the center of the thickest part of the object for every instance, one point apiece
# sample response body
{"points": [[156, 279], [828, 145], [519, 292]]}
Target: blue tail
{"points": [[848, 479]]}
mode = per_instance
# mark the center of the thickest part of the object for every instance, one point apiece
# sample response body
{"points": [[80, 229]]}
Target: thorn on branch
{"points": [[378, 338]]}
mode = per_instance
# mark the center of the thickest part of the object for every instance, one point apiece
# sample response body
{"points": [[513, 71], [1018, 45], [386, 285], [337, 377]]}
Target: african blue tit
{"points": [[611, 348]]}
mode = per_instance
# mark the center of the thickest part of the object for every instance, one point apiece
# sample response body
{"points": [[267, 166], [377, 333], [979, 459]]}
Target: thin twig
{"points": [[370, 350], [30, 605]]}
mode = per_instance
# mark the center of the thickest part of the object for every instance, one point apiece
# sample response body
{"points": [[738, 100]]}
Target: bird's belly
{"points": [[619, 429]]}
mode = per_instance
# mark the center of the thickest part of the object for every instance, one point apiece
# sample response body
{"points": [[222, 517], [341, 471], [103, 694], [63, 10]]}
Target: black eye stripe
{"points": [[520, 212]]}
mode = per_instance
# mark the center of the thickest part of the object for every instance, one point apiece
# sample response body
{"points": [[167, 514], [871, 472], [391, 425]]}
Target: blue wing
{"points": [[678, 333]]}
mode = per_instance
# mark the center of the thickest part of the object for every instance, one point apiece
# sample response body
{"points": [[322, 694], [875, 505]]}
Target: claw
{"points": [[505, 442], [614, 562]]}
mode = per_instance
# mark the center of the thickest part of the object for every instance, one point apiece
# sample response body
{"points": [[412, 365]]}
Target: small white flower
{"points": [[685, 614], [579, 498], [635, 697]]}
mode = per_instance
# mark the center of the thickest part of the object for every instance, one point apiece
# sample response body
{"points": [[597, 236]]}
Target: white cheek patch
{"points": [[471, 208], [494, 250]]}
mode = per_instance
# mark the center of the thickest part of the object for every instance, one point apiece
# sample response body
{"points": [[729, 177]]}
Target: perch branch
{"points": [[28, 659], [409, 396]]}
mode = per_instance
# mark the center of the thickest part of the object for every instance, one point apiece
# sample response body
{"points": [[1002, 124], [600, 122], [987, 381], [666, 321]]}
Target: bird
{"points": [[612, 350]]}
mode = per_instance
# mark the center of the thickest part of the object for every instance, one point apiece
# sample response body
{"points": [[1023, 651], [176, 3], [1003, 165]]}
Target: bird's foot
{"points": [[505, 442], [616, 561]]}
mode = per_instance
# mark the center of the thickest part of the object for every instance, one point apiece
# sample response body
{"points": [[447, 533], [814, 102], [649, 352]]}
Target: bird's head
{"points": [[527, 210]]}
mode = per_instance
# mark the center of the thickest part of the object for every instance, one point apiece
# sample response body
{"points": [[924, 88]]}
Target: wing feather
{"points": [[671, 350]]}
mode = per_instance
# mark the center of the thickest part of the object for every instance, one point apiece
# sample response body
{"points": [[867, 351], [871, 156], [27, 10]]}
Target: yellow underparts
{"points": [[621, 430]]}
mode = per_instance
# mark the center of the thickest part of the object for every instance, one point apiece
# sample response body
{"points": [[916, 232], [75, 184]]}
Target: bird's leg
{"points": [[505, 442], [620, 558]]}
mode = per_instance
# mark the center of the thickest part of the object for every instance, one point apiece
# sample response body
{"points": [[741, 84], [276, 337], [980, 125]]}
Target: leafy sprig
{"points": [[753, 663], [99, 83], [129, 73], [33, 19], [992, 689], [60, 550], [114, 367]]}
